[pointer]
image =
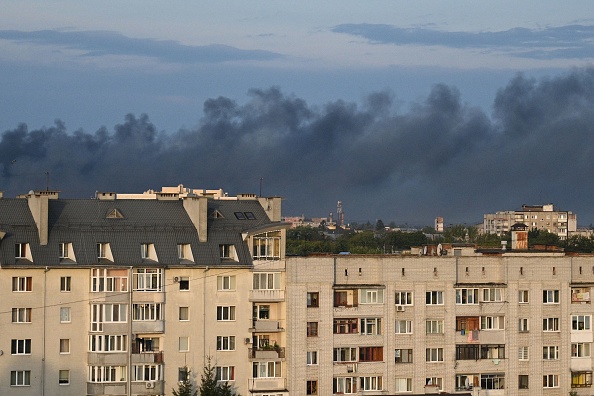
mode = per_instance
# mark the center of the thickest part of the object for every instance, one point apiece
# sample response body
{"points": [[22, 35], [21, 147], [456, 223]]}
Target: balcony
{"points": [[267, 295], [149, 326], [577, 298], [148, 388], [266, 353], [266, 384], [266, 326], [110, 388], [147, 357], [107, 358]]}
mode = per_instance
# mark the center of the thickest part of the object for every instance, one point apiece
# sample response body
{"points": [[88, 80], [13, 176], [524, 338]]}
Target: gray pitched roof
{"points": [[85, 222]]}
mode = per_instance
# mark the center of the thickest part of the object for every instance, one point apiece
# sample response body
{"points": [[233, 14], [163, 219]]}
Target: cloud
{"points": [[572, 41], [440, 157], [100, 43]]}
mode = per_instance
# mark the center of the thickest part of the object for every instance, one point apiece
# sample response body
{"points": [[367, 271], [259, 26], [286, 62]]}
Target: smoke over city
{"points": [[438, 157]]}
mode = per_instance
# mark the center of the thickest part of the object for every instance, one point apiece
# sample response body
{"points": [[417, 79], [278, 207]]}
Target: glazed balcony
{"points": [[269, 353]]}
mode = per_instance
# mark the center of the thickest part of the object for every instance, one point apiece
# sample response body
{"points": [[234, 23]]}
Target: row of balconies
{"points": [[120, 388]]}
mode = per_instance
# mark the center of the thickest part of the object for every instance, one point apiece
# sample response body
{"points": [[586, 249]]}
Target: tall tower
{"points": [[339, 215]]}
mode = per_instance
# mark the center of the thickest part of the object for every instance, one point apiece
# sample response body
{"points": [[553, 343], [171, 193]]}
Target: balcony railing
{"points": [[266, 353], [267, 295], [148, 357], [266, 384], [266, 326]]}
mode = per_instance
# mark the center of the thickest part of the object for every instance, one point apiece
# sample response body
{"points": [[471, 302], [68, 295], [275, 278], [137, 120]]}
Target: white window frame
{"points": [[105, 280], [371, 383], [434, 355], [550, 325], [551, 296], [493, 294], [225, 343], [434, 297], [226, 282], [227, 252], [266, 246], [581, 349], [524, 325], [65, 284], [184, 252], [108, 343], [266, 281], [65, 315], [183, 344], [403, 385], [64, 346], [312, 358], [492, 323], [434, 326], [22, 284], [523, 296], [523, 353], [371, 326], [399, 353], [435, 381], [64, 377], [65, 251], [225, 373], [147, 372], [101, 374], [550, 352], [350, 354], [345, 385], [147, 312], [467, 296], [371, 296], [266, 369], [584, 320], [403, 327], [404, 298], [22, 251], [21, 315], [226, 313], [147, 279], [20, 346], [550, 381], [20, 378]]}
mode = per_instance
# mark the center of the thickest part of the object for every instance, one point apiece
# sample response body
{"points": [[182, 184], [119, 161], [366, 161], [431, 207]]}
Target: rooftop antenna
{"points": [[261, 179], [47, 174]]}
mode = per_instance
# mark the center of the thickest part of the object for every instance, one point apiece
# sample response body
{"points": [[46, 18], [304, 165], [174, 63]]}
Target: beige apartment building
{"points": [[112, 296], [540, 217], [487, 323]]}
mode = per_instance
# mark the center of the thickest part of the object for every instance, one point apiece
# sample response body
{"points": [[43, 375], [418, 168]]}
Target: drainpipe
{"points": [[204, 317], [45, 271], [129, 377]]}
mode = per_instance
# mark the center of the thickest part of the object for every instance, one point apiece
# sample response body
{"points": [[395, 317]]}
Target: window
{"points": [[550, 296], [492, 322], [312, 329], [266, 369], [146, 344], [20, 378], [146, 372], [267, 281], [523, 325], [434, 326], [404, 298], [434, 355], [550, 381], [493, 381], [184, 313], [239, 216], [107, 313], [467, 352], [144, 250], [184, 283], [21, 251], [107, 343], [64, 345], [550, 352], [467, 296], [523, 296], [467, 381], [581, 379], [344, 385], [22, 283], [184, 344], [261, 312], [147, 312], [312, 388], [372, 296], [371, 383], [312, 358], [148, 279], [437, 382], [107, 373], [225, 343], [492, 295], [550, 324], [182, 374], [103, 251], [580, 322], [345, 354], [184, 252], [227, 252], [492, 351], [403, 356], [403, 385], [403, 327], [20, 347], [371, 326], [64, 314], [65, 282], [434, 298], [64, 377], [225, 373], [371, 354], [313, 299], [580, 349], [225, 313], [65, 251], [266, 246], [467, 323], [522, 381], [109, 280], [226, 282], [523, 353], [21, 315]]}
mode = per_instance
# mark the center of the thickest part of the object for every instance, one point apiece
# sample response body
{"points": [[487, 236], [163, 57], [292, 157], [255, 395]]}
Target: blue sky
{"points": [[90, 63]]}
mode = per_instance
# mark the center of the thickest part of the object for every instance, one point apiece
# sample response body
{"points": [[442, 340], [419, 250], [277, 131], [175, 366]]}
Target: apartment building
{"points": [[113, 296], [540, 217], [486, 323]]}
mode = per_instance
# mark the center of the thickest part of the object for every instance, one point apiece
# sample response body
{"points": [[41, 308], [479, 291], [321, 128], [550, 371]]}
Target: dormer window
{"points": [[184, 252], [21, 251], [104, 251], [227, 252], [114, 214], [65, 251], [147, 251]]}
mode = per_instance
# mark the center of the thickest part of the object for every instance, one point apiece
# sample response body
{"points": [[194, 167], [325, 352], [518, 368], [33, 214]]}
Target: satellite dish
{"points": [[425, 250], [439, 249]]}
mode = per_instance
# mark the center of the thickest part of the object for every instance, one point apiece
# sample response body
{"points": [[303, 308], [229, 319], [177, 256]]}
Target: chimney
{"points": [[272, 206], [197, 209], [38, 205]]}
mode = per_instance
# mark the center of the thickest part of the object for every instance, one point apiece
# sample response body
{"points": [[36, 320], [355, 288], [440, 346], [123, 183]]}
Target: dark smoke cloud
{"points": [[440, 157]]}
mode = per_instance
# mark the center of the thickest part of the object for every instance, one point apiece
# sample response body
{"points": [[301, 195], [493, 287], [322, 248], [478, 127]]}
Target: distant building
{"points": [[541, 217], [439, 224]]}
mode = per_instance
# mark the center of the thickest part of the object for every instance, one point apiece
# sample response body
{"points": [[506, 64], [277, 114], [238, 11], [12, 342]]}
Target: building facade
{"points": [[491, 324], [113, 296], [540, 217]]}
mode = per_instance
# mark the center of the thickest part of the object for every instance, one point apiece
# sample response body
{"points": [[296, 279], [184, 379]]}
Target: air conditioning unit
{"points": [[247, 340], [150, 385], [399, 308], [176, 279]]}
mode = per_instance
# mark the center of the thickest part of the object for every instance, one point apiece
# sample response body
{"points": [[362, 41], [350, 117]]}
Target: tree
{"points": [[184, 388], [209, 386]]}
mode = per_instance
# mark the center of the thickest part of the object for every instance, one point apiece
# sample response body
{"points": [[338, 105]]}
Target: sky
{"points": [[403, 110]]}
